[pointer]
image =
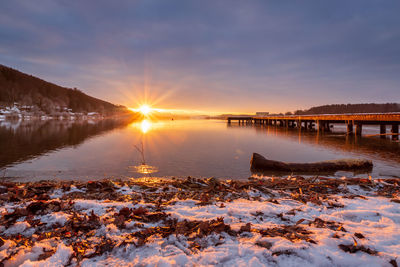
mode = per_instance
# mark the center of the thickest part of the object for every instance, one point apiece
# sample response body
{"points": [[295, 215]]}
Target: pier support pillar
{"points": [[349, 127], [358, 129], [395, 132], [383, 131], [319, 126], [326, 126]]}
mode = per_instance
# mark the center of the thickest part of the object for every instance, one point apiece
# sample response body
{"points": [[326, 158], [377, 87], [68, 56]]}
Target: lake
{"points": [[92, 150]]}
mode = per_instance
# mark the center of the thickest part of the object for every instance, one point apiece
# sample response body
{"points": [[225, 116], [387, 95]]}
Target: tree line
{"points": [[349, 108]]}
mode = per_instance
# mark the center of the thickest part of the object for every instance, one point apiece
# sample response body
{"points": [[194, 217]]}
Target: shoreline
{"points": [[277, 221]]}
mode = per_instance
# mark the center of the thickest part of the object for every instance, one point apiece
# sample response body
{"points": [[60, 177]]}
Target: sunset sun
{"points": [[144, 109]]}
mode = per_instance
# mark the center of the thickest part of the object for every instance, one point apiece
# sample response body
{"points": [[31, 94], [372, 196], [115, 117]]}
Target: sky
{"points": [[210, 55]]}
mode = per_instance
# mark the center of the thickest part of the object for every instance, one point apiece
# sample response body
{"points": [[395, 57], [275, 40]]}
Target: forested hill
{"points": [[24, 89], [351, 108]]}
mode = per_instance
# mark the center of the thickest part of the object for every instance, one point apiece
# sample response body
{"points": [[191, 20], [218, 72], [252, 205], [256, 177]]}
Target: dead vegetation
{"points": [[37, 199]]}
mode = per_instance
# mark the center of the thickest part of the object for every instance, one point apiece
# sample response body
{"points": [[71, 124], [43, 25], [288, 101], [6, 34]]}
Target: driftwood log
{"points": [[260, 164]]}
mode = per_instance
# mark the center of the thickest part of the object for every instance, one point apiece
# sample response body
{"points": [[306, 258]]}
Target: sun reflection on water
{"points": [[144, 169], [145, 126]]}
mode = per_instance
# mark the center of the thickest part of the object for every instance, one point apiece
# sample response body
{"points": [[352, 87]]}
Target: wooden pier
{"points": [[354, 122], [241, 119]]}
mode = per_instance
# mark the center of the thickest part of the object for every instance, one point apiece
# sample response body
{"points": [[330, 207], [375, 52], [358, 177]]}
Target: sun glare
{"points": [[145, 109]]}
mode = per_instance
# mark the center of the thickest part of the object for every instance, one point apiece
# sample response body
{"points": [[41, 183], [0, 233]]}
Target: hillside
{"points": [[351, 108], [27, 90]]}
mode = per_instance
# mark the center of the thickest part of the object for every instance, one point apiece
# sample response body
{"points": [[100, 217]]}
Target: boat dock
{"points": [[323, 122]]}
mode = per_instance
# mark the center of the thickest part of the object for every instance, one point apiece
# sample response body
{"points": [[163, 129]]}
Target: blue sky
{"points": [[233, 56]]}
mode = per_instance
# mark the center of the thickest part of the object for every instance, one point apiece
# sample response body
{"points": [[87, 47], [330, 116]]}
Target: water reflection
{"points": [[145, 126], [24, 140], [180, 148], [143, 167], [374, 147]]}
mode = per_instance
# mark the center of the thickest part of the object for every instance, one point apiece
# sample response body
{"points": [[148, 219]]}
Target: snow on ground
{"points": [[376, 218], [181, 225]]}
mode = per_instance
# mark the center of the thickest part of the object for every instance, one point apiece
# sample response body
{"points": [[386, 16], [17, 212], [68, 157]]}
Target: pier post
{"points": [[395, 132], [319, 126], [327, 128], [349, 127], [383, 130], [358, 128]]}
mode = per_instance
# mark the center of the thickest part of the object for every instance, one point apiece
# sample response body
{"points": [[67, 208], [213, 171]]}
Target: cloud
{"points": [[221, 55]]}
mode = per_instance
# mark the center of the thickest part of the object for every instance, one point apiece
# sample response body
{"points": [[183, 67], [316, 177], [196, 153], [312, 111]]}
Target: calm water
{"points": [[199, 148]]}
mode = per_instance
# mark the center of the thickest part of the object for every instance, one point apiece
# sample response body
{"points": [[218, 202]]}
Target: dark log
{"points": [[260, 164]]}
